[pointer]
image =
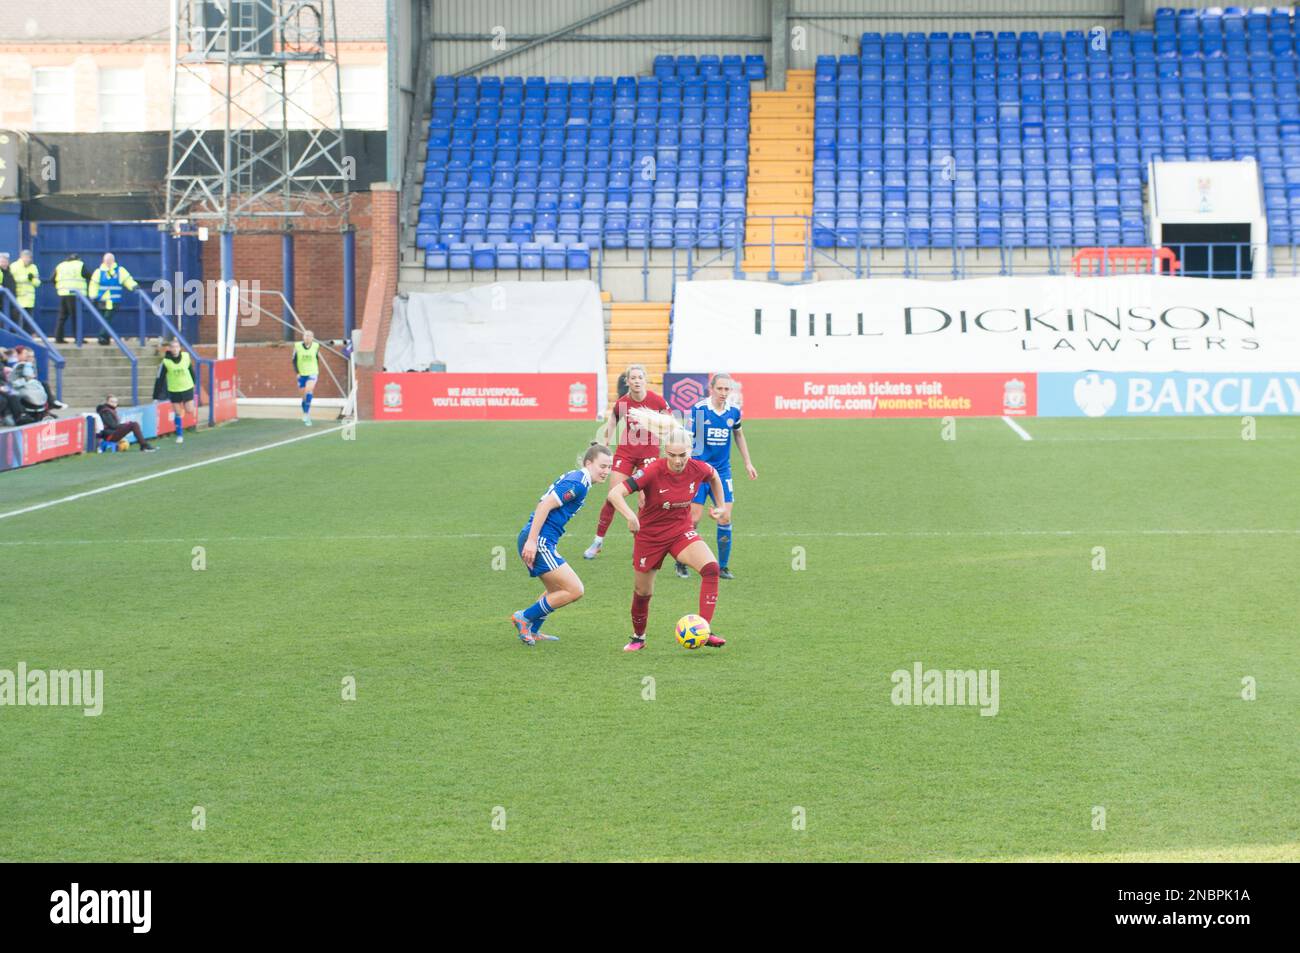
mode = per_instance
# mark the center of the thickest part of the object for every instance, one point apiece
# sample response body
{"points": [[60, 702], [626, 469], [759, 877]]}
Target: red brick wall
{"points": [[264, 357], [376, 309], [265, 370], [318, 276]]}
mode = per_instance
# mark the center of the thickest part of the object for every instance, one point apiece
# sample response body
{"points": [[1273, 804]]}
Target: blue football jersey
{"points": [[571, 490], [712, 431]]}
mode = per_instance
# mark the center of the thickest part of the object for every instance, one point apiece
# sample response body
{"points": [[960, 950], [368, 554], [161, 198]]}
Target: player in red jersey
{"points": [[637, 448], [663, 527]]}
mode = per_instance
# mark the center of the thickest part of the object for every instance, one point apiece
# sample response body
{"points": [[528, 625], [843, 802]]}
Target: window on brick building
{"points": [[299, 81], [52, 102], [121, 100], [364, 93], [193, 99]]}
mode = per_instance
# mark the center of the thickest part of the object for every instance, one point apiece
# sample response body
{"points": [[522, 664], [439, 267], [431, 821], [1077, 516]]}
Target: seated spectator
{"points": [[9, 401], [114, 431], [28, 356], [25, 399]]}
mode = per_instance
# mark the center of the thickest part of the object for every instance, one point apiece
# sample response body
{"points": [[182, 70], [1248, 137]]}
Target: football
{"points": [[692, 631]]}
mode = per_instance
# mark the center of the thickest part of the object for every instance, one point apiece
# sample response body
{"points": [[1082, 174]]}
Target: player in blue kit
{"points": [[714, 425], [541, 534]]}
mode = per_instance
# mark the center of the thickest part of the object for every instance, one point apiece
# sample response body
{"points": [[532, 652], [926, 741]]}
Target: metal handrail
{"points": [[734, 229], [908, 259], [135, 361], [38, 340], [298, 326], [203, 363]]}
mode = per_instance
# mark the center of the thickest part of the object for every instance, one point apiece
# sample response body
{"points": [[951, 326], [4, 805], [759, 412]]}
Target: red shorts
{"points": [[625, 463], [648, 552]]}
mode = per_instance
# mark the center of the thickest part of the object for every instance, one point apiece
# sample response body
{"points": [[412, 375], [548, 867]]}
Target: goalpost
{"points": [[229, 303]]}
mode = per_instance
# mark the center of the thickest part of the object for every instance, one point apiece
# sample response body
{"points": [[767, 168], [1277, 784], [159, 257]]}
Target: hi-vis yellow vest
{"points": [[26, 278], [68, 277], [306, 356], [179, 377]]}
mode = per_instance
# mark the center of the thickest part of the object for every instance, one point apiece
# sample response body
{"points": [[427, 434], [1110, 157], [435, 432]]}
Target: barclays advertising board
{"points": [[1133, 394]]}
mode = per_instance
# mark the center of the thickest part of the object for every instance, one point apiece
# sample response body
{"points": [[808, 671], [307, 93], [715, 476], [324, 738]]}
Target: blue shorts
{"points": [[706, 489], [304, 378], [547, 558]]}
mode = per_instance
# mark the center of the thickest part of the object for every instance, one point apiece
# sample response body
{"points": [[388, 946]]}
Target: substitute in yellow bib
{"points": [[306, 363], [176, 380]]}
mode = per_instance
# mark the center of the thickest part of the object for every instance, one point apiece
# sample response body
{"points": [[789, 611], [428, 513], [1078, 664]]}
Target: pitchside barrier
{"points": [[66, 436], [531, 350], [439, 396], [1043, 346]]}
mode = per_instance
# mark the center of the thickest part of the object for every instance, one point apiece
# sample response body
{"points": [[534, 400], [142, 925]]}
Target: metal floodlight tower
{"points": [[272, 149]]}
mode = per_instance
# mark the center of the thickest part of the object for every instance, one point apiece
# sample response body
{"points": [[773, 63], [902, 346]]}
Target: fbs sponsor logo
{"points": [[75, 905]]}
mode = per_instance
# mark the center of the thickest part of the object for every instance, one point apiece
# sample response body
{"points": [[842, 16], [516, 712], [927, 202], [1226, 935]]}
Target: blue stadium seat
{"points": [[534, 162], [435, 256]]}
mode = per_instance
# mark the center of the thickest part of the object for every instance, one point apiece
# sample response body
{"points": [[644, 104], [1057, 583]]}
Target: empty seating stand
{"points": [[1043, 139], [536, 173]]}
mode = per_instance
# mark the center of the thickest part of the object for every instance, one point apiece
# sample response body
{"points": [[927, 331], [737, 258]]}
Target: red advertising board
{"points": [[165, 423], [438, 396], [53, 438], [225, 384], [887, 395]]}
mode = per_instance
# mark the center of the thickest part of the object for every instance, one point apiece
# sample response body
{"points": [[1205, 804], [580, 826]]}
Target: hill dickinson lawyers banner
{"points": [[1000, 325]]}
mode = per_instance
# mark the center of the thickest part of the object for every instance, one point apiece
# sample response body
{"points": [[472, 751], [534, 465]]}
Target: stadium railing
{"points": [[847, 257], [36, 337], [207, 366], [84, 303], [1124, 261]]}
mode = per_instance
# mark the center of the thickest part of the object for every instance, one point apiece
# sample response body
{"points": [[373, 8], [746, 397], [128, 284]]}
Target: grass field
{"points": [[1119, 688]]}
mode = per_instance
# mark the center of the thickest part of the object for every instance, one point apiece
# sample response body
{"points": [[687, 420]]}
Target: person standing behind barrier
{"points": [[306, 354], [106, 286], [70, 276], [27, 278], [176, 381], [7, 281]]}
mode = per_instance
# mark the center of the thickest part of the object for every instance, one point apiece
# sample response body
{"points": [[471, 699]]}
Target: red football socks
{"points": [[708, 590], [641, 612]]}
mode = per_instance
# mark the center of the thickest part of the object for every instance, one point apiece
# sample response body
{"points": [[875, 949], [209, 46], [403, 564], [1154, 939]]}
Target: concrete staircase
{"points": [[93, 371], [780, 175], [638, 334]]}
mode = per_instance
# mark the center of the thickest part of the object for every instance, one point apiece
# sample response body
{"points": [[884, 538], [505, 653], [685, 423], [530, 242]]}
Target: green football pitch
{"points": [[1131, 584]]}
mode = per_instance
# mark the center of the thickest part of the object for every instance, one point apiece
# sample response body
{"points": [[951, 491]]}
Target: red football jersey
{"points": [[636, 440], [666, 496]]}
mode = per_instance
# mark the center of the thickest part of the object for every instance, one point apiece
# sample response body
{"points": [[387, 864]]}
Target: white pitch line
{"points": [[162, 473], [791, 534], [1024, 434]]}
